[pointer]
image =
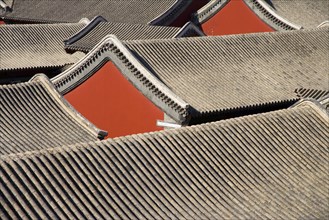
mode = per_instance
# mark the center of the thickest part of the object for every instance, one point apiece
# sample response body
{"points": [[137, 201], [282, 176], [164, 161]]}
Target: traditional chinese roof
{"points": [[160, 12], [311, 93], [35, 48], [272, 165], [34, 116], [292, 14], [210, 78], [98, 28], [278, 14]]}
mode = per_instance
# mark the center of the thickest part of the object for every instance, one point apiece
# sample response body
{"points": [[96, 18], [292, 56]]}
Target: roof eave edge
{"points": [[111, 48], [280, 24], [209, 10], [166, 18], [68, 107]]}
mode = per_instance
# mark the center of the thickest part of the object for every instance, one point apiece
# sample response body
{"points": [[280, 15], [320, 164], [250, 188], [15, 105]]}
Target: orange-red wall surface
{"points": [[112, 103], [235, 18]]}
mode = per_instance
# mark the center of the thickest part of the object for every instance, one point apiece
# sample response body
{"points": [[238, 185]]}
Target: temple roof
{"points": [[37, 47], [279, 14], [214, 77], [34, 116], [98, 28], [272, 165], [160, 12], [292, 14]]}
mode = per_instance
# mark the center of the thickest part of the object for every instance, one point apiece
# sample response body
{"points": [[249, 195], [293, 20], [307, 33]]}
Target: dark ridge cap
{"points": [[35, 116], [66, 105], [111, 48], [80, 34], [268, 14], [208, 11], [167, 17]]}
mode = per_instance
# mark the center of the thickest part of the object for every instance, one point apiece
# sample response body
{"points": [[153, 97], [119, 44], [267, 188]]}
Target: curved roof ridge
{"points": [[168, 17], [209, 10], [85, 30], [35, 116], [111, 48], [270, 16], [67, 106]]}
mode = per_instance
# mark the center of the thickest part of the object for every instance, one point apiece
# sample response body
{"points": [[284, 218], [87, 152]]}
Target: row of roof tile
{"points": [[192, 77], [272, 165], [34, 116]]}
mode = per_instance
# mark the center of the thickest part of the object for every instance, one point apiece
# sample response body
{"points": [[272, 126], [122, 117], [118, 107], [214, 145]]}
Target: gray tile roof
{"points": [[311, 93], [160, 12], [272, 166], [34, 116], [88, 37], [292, 14], [218, 77], [35, 47]]}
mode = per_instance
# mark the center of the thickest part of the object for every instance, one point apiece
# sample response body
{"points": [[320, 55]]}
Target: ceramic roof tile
{"points": [[34, 116], [272, 165], [292, 14], [218, 77], [123, 11], [88, 37], [218, 73], [36, 46]]}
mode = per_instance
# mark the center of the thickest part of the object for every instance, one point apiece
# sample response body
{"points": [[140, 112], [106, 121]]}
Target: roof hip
{"points": [[110, 48]]}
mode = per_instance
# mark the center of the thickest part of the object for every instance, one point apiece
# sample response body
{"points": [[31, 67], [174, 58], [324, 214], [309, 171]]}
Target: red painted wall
{"points": [[235, 18], [112, 103]]}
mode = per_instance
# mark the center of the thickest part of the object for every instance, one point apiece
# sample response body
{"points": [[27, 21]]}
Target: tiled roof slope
{"points": [[89, 37], [292, 14], [34, 116], [222, 73], [215, 77], [123, 11], [272, 166], [312, 93], [36, 46]]}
